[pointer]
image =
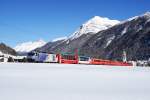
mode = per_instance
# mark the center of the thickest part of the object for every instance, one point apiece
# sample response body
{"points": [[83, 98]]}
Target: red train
{"points": [[109, 62], [75, 59], [67, 59]]}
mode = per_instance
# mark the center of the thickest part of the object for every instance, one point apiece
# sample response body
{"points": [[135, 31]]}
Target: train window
{"points": [[96, 60], [53, 57], [31, 54], [84, 58], [69, 57]]}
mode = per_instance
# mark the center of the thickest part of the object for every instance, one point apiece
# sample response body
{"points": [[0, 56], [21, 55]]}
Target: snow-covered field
{"points": [[73, 82]]}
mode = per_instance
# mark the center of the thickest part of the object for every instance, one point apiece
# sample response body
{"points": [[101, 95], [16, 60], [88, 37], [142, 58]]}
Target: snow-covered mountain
{"points": [[79, 37], [131, 35], [29, 46], [93, 26]]}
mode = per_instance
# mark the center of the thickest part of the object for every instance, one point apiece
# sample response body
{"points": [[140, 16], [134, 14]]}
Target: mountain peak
{"points": [[94, 25], [147, 14], [103, 20], [40, 40], [29, 46], [96, 18]]}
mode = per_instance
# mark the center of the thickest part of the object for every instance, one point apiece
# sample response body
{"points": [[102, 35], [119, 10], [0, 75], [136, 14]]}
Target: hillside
{"points": [[6, 49], [132, 36]]}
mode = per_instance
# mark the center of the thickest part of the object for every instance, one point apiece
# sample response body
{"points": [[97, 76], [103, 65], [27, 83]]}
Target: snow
{"points": [[73, 82], [140, 28], [124, 31], [60, 38], [148, 21], [147, 14], [1, 53], [109, 41], [93, 26], [29, 46], [132, 18], [67, 42], [6, 55], [136, 17]]}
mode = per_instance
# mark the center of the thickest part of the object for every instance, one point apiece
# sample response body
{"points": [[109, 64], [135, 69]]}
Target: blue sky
{"points": [[30, 20]]}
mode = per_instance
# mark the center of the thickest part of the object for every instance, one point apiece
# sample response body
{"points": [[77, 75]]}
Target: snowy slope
{"points": [[147, 14], [73, 82], [93, 26], [1, 53], [29, 46], [59, 39]]}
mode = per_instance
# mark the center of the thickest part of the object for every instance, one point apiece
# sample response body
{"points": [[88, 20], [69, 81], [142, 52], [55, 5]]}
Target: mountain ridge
{"points": [[110, 43], [4, 49], [93, 26], [29, 46]]}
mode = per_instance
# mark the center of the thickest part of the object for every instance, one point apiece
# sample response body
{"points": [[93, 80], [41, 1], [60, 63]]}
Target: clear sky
{"points": [[30, 20]]}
